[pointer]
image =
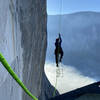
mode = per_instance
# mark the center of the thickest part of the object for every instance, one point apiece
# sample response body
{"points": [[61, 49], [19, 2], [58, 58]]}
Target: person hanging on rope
{"points": [[58, 50]]}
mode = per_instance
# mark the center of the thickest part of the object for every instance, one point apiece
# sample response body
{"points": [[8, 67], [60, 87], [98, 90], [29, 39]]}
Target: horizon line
{"points": [[65, 13]]}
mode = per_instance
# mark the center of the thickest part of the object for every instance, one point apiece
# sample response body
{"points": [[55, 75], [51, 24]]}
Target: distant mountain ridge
{"points": [[80, 12]]}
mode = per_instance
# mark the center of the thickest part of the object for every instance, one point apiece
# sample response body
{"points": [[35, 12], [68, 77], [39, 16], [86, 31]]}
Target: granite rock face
{"points": [[23, 42]]}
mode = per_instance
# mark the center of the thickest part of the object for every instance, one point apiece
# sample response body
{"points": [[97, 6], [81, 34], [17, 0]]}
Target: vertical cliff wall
{"points": [[23, 41]]}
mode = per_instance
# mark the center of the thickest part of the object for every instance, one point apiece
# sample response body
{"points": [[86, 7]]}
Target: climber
{"points": [[58, 50]]}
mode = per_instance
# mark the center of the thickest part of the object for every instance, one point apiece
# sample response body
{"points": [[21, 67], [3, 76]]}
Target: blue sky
{"points": [[70, 6]]}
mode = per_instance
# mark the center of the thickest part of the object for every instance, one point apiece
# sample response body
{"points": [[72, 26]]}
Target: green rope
{"points": [[54, 93], [15, 77]]}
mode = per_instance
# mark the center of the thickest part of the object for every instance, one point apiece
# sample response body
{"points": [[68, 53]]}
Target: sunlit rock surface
{"points": [[23, 41]]}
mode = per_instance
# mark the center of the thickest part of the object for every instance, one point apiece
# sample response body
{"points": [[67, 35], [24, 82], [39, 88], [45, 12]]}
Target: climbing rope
{"points": [[60, 27], [60, 17], [54, 93], [15, 77], [58, 74], [58, 70]]}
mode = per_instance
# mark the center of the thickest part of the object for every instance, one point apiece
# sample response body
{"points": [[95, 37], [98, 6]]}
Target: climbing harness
{"points": [[15, 77], [59, 70]]}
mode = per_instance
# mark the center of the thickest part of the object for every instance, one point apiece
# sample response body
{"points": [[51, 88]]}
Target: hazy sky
{"points": [[70, 6]]}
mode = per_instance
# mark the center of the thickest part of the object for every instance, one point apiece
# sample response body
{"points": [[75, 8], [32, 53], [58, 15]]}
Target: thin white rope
{"points": [[60, 17]]}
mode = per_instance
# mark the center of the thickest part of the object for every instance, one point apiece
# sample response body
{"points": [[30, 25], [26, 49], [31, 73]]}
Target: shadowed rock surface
{"points": [[23, 42], [89, 92]]}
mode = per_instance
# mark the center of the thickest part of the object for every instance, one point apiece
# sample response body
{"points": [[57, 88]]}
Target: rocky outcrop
{"points": [[89, 92], [23, 41]]}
